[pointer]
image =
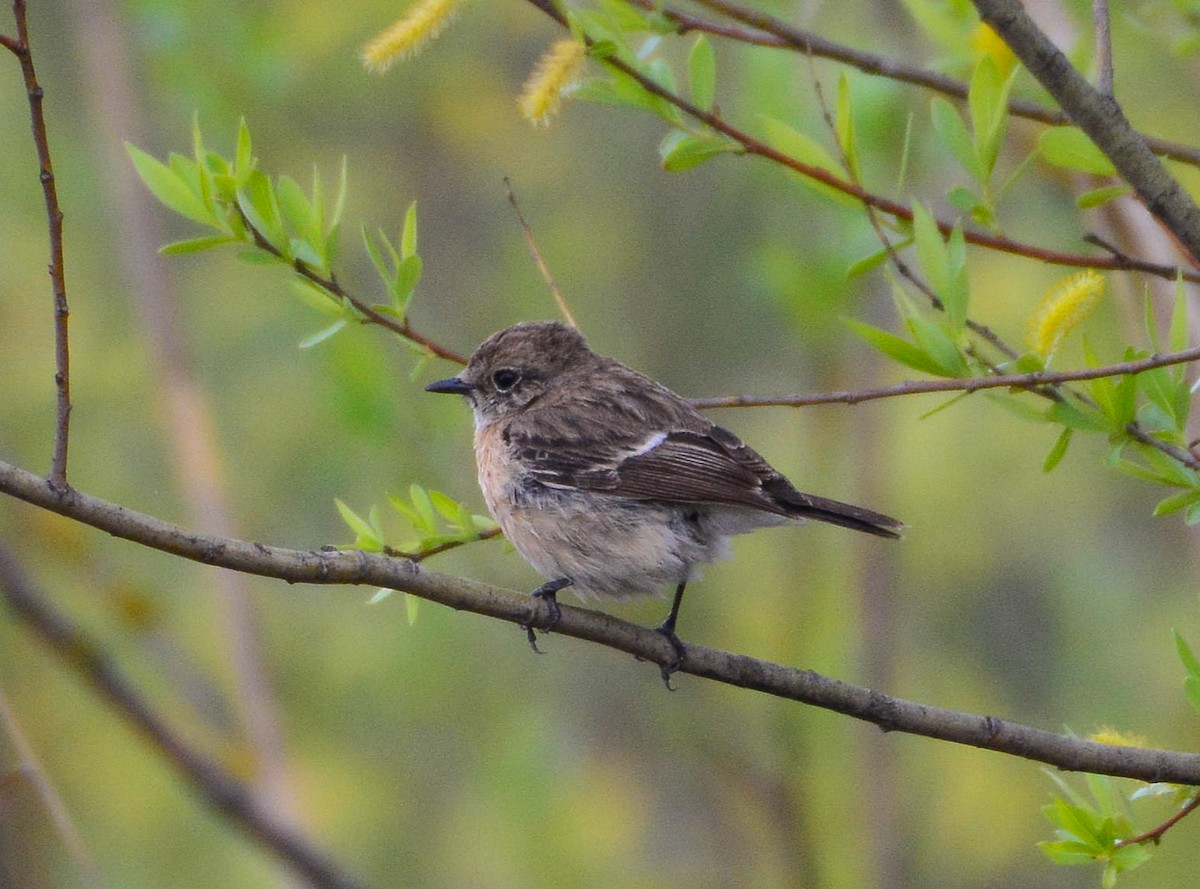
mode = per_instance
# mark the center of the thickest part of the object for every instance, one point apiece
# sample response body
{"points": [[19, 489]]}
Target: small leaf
{"points": [[1177, 337], [807, 150], [195, 245], [702, 73], [408, 236], [321, 335], [681, 150], [1071, 148], [897, 348], [1100, 196], [952, 133], [1058, 451], [380, 594], [166, 185], [1191, 689], [845, 126], [412, 605], [1186, 656], [244, 163], [938, 344]]}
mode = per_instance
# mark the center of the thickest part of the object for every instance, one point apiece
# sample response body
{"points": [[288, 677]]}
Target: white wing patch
{"points": [[649, 445]]}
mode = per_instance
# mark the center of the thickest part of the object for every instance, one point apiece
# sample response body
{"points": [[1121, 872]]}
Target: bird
{"points": [[609, 483]]}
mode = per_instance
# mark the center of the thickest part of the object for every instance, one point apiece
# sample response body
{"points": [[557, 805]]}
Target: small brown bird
{"points": [[610, 483]]}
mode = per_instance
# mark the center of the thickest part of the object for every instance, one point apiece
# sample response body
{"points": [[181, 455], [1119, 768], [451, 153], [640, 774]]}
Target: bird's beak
{"points": [[452, 386]]}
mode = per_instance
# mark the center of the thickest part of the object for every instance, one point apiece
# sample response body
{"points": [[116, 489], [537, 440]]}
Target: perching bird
{"points": [[608, 482]]}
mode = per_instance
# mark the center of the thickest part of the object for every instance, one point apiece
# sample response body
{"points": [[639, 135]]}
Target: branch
{"points": [[805, 686], [778, 33], [331, 285], [753, 146], [1156, 833], [20, 47], [1100, 117], [1031, 381], [210, 780]]}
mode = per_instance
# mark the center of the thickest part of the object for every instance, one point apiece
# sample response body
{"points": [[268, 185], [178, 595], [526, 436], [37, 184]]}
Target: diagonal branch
{"points": [[896, 209], [1100, 117], [771, 31], [206, 776], [355, 567]]}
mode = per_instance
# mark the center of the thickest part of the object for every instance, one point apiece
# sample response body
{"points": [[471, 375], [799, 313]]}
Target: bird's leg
{"points": [[548, 593], [667, 628]]}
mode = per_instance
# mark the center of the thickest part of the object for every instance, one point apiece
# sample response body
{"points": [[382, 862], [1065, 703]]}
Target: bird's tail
{"points": [[820, 509]]}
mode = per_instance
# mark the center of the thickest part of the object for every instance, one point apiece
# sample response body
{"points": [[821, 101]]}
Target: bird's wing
{"points": [[704, 464], [683, 466]]}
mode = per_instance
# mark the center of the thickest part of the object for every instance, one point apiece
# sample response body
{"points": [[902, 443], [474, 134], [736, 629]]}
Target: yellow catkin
{"points": [[986, 42], [1062, 309], [406, 37], [558, 68], [1108, 735]]}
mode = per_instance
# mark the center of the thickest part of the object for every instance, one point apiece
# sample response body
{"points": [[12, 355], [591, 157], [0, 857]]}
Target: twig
{"points": [[327, 567], [537, 256], [89, 874], [773, 32], [424, 554], [753, 146], [1031, 380], [1104, 56], [331, 285], [1155, 834], [21, 48], [1100, 117], [206, 776]]}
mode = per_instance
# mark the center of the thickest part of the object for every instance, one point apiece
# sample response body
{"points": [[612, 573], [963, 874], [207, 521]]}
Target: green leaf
{"points": [[681, 150], [408, 236], [408, 275], [427, 521], [807, 150], [897, 348], [1100, 196], [170, 189], [380, 594], [988, 102], [412, 605], [1186, 656], [1058, 451], [366, 535], [952, 133], [1086, 419], [258, 203], [1177, 336], [702, 73], [244, 163], [1070, 147], [1191, 690], [195, 245], [844, 126], [1068, 853], [321, 335], [874, 259], [938, 344], [931, 249]]}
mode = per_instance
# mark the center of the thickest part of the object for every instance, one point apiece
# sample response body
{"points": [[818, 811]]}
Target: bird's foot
{"points": [[671, 667], [548, 593]]}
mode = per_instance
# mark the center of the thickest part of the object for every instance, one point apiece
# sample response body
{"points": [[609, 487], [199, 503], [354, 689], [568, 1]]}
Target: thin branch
{"points": [[355, 567], [772, 32], [1156, 833], [11, 44], [331, 285], [537, 256], [58, 278], [753, 146], [206, 776], [1100, 117], [89, 874], [422, 555], [1104, 57], [1029, 381]]}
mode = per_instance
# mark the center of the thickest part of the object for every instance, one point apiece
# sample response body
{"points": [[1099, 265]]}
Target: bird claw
{"points": [[548, 593], [672, 667]]}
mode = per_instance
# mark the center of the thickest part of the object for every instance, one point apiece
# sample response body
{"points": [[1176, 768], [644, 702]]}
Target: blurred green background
{"points": [[445, 754]]}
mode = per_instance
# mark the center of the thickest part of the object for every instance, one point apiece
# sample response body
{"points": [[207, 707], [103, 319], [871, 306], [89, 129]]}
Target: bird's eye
{"points": [[505, 378]]}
